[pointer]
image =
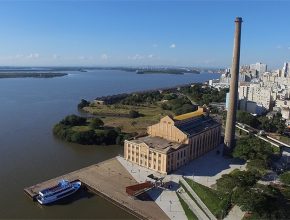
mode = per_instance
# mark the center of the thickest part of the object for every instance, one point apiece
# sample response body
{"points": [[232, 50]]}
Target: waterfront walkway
{"points": [[108, 179]]}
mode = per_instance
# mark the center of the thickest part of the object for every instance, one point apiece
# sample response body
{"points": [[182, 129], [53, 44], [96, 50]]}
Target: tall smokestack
{"points": [[232, 108]]}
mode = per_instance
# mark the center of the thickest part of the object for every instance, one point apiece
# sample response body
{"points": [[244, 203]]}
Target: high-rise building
{"points": [[285, 70], [259, 67]]}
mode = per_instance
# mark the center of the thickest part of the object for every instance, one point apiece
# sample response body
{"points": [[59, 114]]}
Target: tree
{"points": [[250, 148], [226, 183], [110, 136], [84, 137], [170, 96], [73, 120], [164, 106], [258, 165], [134, 114], [83, 103], [285, 178], [96, 123], [249, 199], [237, 178], [247, 118]]}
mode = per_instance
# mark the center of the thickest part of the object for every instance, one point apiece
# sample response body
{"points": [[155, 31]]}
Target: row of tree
{"points": [[205, 95], [179, 105], [275, 124]]}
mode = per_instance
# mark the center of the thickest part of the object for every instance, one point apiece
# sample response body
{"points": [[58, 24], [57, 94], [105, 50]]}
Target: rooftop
{"points": [[158, 143], [198, 112], [197, 125]]}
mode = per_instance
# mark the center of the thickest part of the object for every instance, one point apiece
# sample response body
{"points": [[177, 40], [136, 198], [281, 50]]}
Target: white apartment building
{"points": [[260, 67], [256, 99]]}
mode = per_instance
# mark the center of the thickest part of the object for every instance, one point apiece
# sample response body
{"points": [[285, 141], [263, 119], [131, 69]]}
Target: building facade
{"points": [[173, 142]]}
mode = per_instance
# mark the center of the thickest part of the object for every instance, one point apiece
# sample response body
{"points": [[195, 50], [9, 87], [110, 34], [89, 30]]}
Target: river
{"points": [[29, 153]]}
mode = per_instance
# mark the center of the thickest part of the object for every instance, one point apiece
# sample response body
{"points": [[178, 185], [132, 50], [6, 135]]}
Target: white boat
{"points": [[63, 189]]}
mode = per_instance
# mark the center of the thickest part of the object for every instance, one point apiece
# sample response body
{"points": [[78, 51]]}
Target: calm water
{"points": [[30, 154]]}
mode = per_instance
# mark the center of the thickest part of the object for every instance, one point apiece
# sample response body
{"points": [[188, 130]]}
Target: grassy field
{"points": [[151, 115], [189, 214], [215, 202], [285, 139], [81, 128]]}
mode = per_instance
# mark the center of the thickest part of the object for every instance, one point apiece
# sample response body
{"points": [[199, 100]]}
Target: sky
{"points": [[133, 33]]}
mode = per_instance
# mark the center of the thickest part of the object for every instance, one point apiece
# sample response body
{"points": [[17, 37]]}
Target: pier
{"points": [[109, 180]]}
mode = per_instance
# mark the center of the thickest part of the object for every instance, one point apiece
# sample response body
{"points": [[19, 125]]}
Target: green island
{"points": [[166, 71], [129, 115], [4, 75]]}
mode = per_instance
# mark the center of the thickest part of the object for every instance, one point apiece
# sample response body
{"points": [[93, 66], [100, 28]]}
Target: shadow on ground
{"points": [[209, 164]]}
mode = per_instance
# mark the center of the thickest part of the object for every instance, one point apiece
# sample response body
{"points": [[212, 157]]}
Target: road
{"points": [[266, 138]]}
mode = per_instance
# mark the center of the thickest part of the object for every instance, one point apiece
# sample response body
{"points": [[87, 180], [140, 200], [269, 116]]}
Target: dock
{"points": [[109, 180]]}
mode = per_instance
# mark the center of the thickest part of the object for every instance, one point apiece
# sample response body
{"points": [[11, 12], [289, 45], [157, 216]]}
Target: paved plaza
{"points": [[204, 170]]}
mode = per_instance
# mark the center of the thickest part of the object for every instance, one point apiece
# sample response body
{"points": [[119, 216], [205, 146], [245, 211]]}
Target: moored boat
{"points": [[63, 189]]}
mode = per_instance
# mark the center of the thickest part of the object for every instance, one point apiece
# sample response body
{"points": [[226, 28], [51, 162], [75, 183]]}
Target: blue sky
{"points": [[194, 33]]}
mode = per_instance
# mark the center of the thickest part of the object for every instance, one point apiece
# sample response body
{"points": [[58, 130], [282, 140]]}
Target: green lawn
{"points": [[216, 202], [80, 128], [189, 214], [285, 139]]}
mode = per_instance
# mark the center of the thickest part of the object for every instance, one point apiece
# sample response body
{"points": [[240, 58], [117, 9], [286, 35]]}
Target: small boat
{"points": [[63, 189]]}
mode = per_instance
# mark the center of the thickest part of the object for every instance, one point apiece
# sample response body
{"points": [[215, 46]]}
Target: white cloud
{"points": [[104, 56], [33, 56], [278, 47], [150, 56], [289, 48], [172, 46], [154, 45], [136, 57]]}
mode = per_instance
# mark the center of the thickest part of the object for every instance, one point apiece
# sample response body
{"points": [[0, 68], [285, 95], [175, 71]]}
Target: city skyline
{"points": [[98, 33]]}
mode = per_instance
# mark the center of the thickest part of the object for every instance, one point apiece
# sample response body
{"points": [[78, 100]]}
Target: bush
{"points": [[134, 114], [96, 123]]}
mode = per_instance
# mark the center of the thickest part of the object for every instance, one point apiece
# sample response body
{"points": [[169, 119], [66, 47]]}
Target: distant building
{"points": [[285, 70], [260, 67], [99, 102], [173, 142], [285, 111], [254, 98]]}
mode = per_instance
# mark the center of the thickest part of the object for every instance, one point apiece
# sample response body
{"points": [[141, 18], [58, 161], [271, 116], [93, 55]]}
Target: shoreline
{"points": [[162, 89], [13, 75]]}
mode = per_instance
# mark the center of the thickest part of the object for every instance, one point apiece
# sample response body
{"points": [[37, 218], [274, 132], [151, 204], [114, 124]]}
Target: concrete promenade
{"points": [[198, 200], [166, 199], [108, 179]]}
